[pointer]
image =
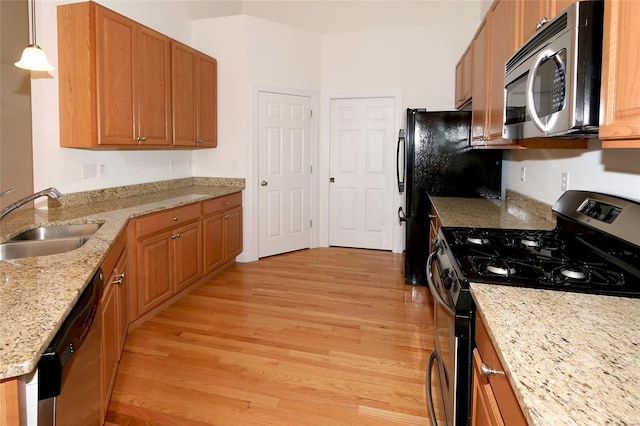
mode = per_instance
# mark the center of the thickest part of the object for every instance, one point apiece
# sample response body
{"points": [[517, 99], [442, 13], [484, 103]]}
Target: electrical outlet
{"points": [[89, 171], [523, 174], [102, 170], [565, 181]]}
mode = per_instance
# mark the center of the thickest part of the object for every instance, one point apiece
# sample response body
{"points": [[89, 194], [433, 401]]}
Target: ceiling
{"points": [[331, 16]]}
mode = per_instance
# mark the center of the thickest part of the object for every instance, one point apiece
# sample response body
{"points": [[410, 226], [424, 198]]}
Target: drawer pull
{"points": [[120, 275], [175, 218], [226, 203], [488, 371], [174, 236], [227, 216]]}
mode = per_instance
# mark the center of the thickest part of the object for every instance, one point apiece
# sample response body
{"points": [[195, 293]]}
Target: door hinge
{"points": [[311, 113], [310, 224], [310, 168]]}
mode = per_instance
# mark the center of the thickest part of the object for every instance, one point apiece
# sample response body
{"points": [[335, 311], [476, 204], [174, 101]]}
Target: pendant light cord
{"points": [[32, 14]]}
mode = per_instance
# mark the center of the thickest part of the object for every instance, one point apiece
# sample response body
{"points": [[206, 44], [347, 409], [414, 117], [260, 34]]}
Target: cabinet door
{"points": [[110, 340], [154, 88], [620, 100], [154, 274], [464, 73], [207, 110], [116, 38], [504, 43], [121, 280], [214, 252], [480, 88], [187, 254], [233, 232], [184, 94], [484, 410]]}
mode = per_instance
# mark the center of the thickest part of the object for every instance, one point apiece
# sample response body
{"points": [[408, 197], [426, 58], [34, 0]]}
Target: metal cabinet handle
{"points": [[175, 218], [227, 216], [488, 371], [141, 138], [263, 183], [118, 281], [118, 278], [174, 236], [120, 275], [199, 141], [541, 23], [226, 203]]}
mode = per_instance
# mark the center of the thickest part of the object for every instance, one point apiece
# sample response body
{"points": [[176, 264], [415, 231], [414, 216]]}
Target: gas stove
{"points": [[595, 248]]}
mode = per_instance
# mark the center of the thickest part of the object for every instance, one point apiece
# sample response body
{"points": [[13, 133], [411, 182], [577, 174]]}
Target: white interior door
{"points": [[362, 157], [284, 162]]}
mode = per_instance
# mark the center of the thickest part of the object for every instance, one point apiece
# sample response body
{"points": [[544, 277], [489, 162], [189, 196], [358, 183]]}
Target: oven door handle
{"points": [[432, 287]]}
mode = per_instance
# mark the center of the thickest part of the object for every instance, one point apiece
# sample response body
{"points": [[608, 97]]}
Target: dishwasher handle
{"points": [[57, 358]]}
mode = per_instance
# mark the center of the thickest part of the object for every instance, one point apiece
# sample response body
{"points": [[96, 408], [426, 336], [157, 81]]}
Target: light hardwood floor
{"points": [[328, 336]]}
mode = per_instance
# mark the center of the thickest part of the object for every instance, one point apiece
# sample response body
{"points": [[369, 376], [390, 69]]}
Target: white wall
{"points": [[60, 167], [612, 171], [252, 54]]}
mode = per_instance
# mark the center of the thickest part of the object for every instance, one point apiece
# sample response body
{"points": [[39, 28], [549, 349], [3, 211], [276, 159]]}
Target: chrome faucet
{"points": [[50, 192]]}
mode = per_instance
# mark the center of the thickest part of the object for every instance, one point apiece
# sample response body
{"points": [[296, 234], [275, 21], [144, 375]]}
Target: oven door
{"points": [[446, 342]]}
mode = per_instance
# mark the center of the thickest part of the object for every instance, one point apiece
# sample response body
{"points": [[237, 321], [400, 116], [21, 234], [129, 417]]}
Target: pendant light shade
{"points": [[33, 57]]}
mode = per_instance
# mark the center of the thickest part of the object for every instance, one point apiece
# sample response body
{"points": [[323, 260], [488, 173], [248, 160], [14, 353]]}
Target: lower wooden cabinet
{"points": [[493, 401], [169, 255], [175, 248], [222, 224], [115, 318]]}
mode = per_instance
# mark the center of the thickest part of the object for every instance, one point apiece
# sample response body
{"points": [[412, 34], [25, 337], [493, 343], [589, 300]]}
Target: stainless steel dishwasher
{"points": [[69, 370]]}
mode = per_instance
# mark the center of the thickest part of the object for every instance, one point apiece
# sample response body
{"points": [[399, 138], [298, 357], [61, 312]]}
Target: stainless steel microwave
{"points": [[552, 83]]}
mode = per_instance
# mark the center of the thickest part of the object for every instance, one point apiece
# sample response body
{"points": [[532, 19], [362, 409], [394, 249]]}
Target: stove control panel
{"points": [[599, 210]]}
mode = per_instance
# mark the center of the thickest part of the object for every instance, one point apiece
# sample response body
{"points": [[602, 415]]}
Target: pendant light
{"points": [[33, 57]]}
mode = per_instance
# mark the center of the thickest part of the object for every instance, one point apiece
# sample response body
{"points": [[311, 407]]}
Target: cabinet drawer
{"points": [[221, 203], [156, 222], [506, 398]]}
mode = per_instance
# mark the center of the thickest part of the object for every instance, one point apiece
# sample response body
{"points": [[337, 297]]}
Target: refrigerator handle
{"points": [[400, 176], [402, 216]]}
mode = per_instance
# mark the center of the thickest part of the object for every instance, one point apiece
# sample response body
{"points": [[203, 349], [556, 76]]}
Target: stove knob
{"points": [[447, 279]]}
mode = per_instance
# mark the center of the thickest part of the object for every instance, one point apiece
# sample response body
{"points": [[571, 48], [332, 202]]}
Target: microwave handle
{"points": [[531, 106]]}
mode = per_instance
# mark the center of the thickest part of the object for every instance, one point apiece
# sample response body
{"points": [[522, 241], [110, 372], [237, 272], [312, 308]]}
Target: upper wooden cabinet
{"points": [[114, 80], [491, 46], [118, 79], [194, 97], [481, 72], [504, 43], [464, 74], [620, 100]]}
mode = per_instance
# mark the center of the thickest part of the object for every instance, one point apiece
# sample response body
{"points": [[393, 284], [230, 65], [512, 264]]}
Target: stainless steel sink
{"points": [[47, 240], [54, 232]]}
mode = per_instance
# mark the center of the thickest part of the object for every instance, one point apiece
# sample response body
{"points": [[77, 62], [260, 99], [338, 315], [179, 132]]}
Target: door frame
{"points": [[397, 233], [253, 178]]}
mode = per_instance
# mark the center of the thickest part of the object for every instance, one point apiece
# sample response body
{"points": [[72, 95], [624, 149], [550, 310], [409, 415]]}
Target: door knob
{"points": [[263, 183]]}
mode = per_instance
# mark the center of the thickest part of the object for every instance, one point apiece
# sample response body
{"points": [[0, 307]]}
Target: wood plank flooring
{"points": [[328, 336]]}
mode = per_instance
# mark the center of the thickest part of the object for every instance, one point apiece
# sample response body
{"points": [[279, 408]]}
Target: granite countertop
{"points": [[571, 358], [37, 293], [488, 213]]}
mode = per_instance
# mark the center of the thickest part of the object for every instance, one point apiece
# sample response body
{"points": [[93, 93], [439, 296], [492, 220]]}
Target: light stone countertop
{"points": [[37, 293], [487, 213], [572, 359]]}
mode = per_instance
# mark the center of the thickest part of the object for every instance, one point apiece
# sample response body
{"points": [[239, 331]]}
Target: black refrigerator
{"points": [[434, 157]]}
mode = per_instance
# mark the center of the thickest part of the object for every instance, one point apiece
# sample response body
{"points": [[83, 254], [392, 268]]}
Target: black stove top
{"points": [[541, 259]]}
